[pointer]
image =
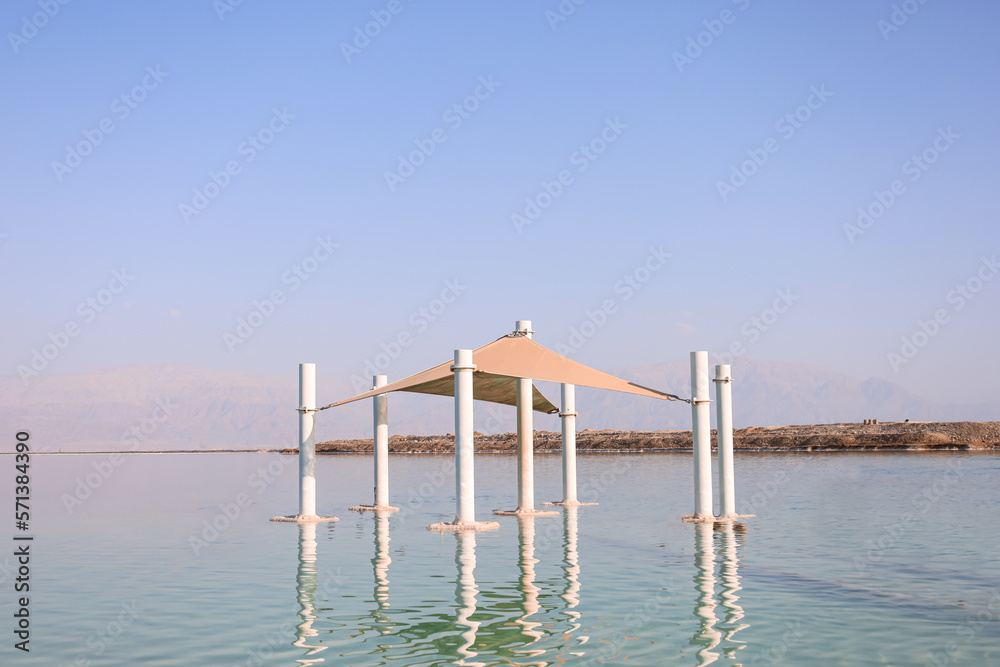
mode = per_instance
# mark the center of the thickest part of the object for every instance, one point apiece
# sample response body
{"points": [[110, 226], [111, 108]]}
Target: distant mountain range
{"points": [[171, 406]]}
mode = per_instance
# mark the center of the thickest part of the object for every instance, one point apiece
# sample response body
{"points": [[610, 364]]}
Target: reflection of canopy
{"points": [[499, 364]]}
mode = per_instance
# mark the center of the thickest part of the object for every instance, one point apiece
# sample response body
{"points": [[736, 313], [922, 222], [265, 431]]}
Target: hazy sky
{"points": [[658, 177]]}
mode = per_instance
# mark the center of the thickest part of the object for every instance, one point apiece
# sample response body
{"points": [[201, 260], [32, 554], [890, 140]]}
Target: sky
{"points": [[371, 185]]}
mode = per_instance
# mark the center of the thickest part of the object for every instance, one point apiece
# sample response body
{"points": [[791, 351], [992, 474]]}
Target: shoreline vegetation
{"points": [[878, 436]]}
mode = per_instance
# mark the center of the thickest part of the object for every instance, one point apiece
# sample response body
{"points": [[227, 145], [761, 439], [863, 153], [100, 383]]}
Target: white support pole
{"points": [[380, 442], [380, 409], [724, 428], [465, 484], [307, 440], [568, 416], [307, 450], [702, 436], [525, 436], [525, 442]]}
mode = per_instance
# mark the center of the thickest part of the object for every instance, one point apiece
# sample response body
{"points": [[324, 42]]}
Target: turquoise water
{"points": [[853, 559]]}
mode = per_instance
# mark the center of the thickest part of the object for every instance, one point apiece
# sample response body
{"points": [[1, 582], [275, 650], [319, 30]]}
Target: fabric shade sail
{"points": [[498, 366]]}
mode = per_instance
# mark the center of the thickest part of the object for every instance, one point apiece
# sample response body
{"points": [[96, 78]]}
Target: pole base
{"points": [[373, 508], [462, 526], [708, 518], [569, 503], [525, 512], [303, 518]]}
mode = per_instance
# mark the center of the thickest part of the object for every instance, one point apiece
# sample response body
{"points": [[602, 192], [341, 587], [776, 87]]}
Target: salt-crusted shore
{"points": [[816, 437]]}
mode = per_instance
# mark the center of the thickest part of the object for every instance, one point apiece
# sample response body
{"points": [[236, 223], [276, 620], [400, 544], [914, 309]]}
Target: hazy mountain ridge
{"points": [[172, 406]]}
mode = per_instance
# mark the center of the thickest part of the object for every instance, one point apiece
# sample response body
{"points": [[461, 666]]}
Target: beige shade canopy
{"points": [[498, 366]]}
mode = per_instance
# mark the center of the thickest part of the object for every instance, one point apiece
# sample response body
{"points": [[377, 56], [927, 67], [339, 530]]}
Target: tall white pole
{"points": [[568, 416], [465, 485], [525, 442], [381, 445], [307, 440], [525, 435], [307, 450], [701, 434], [724, 426]]}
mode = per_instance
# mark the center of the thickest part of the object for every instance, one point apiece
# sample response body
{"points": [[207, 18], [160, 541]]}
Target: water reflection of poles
{"points": [[465, 595], [704, 579], [526, 562], [305, 588], [380, 563], [571, 565], [730, 577]]}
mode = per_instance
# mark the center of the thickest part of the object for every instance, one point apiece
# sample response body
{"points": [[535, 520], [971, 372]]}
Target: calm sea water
{"points": [[852, 559]]}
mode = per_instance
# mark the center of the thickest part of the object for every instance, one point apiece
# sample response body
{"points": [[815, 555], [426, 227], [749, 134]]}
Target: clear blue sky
{"points": [[187, 88]]}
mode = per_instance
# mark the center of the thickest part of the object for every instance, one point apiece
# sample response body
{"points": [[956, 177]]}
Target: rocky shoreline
{"points": [[885, 436]]}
